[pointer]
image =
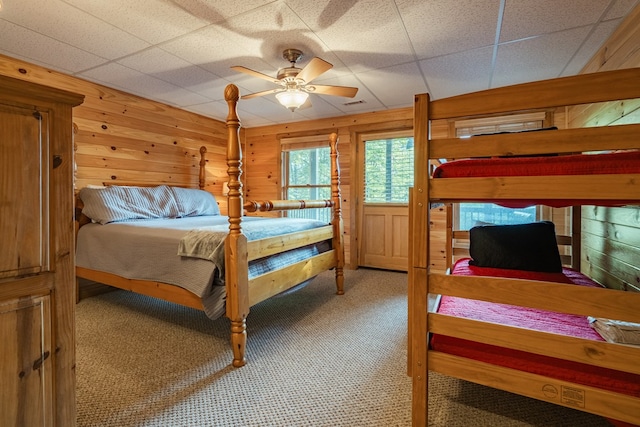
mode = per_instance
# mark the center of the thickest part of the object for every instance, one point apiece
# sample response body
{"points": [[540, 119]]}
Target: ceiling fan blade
{"points": [[254, 73], [347, 92], [313, 69], [255, 95]]}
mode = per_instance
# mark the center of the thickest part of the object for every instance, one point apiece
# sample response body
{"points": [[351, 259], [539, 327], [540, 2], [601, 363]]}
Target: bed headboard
{"points": [[82, 219]]}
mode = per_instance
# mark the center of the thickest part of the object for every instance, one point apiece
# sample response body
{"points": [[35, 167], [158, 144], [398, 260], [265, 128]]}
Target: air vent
{"points": [[346, 104]]}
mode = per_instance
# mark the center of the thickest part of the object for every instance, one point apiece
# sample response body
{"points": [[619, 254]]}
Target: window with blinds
{"points": [[467, 215], [388, 170], [513, 123], [306, 172]]}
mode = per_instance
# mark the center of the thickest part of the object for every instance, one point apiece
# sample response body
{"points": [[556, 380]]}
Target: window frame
{"points": [[465, 128], [374, 136], [290, 144]]}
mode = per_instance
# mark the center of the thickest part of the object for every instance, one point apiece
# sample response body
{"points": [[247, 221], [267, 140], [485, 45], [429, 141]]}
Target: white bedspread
{"points": [[148, 250]]}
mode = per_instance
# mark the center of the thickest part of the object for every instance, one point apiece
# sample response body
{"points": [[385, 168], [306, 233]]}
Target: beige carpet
{"points": [[315, 359]]}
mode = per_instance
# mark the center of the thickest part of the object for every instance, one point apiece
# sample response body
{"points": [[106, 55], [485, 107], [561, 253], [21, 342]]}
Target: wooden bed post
{"points": [[419, 262], [336, 220], [576, 237], [236, 270], [203, 163]]}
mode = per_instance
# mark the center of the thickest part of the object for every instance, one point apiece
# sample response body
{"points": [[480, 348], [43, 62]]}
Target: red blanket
{"points": [[627, 162], [565, 324]]}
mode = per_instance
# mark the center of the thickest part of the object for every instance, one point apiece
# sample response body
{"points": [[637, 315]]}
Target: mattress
{"points": [[627, 162], [148, 250], [560, 323]]}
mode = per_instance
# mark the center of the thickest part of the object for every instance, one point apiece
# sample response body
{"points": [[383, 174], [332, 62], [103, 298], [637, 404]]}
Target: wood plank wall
{"points": [[263, 158], [124, 138], [611, 236]]}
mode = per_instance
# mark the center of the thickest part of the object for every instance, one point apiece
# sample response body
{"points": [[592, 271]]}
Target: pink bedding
{"points": [[565, 324]]}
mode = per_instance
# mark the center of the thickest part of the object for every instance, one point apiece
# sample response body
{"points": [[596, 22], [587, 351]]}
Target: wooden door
{"points": [[37, 361], [385, 233], [385, 174]]}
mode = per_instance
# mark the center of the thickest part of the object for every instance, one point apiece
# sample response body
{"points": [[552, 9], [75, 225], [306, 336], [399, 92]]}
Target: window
{"points": [[388, 170], [468, 215], [513, 123], [471, 214], [306, 165]]}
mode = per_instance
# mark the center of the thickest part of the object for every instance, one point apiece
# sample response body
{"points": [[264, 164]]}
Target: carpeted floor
{"points": [[315, 359]]}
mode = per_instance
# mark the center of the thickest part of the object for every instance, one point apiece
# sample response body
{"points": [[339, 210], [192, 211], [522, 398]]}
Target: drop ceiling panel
{"points": [[619, 9], [532, 18], [179, 52], [149, 20], [320, 108], [22, 43], [365, 35], [536, 58], [88, 33], [272, 29], [216, 49], [368, 100], [132, 81], [429, 28], [171, 69], [394, 83], [458, 73]]}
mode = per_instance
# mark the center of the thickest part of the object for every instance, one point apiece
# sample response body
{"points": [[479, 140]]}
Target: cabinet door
{"points": [[25, 363], [27, 277], [24, 192]]}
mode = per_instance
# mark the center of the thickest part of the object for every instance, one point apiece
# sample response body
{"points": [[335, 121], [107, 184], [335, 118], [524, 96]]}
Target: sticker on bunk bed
{"points": [[573, 396], [550, 391]]}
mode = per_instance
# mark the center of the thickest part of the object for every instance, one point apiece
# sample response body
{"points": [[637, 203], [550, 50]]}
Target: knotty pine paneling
{"points": [[611, 236], [263, 157], [120, 137]]}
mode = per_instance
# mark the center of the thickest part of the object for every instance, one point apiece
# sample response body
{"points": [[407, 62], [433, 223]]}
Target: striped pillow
{"points": [[120, 203], [192, 202]]}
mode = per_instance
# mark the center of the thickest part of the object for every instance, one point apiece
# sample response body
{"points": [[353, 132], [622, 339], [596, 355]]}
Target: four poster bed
{"points": [[512, 326], [172, 243]]}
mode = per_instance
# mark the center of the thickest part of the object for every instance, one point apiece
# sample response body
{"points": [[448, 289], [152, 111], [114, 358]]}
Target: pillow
{"points": [[121, 203], [530, 247], [193, 202]]}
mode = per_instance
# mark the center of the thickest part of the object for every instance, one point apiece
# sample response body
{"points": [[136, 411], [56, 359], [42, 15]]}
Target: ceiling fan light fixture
{"points": [[292, 98]]}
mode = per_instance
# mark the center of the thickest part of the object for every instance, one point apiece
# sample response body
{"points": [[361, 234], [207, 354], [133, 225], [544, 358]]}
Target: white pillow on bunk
{"points": [[616, 331]]}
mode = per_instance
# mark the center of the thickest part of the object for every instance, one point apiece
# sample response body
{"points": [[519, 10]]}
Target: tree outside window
{"points": [[308, 177], [388, 170]]}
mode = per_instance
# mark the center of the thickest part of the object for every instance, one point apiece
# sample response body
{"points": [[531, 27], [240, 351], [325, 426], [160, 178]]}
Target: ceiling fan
{"points": [[294, 83]]}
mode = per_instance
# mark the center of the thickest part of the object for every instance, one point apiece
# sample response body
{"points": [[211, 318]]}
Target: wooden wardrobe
{"points": [[37, 298]]}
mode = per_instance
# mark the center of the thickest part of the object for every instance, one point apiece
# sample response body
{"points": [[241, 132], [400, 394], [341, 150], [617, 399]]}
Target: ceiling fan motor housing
{"points": [[288, 73], [292, 55]]}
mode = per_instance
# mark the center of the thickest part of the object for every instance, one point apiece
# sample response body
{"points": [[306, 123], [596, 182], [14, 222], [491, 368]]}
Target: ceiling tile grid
{"points": [[179, 52]]}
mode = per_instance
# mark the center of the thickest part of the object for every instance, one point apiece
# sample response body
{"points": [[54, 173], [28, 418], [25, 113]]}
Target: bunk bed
{"points": [[517, 186], [248, 267]]}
